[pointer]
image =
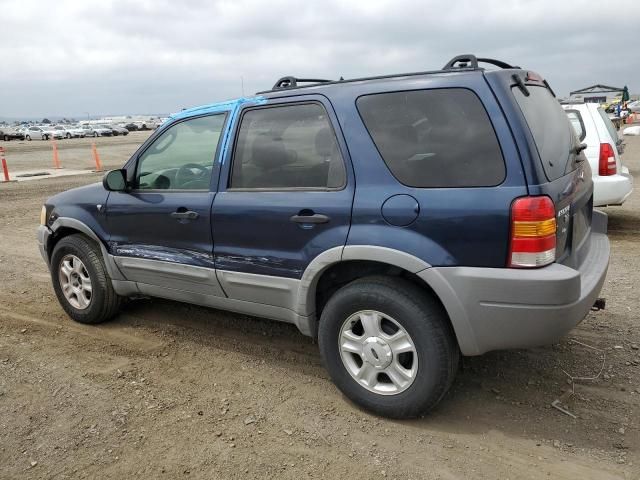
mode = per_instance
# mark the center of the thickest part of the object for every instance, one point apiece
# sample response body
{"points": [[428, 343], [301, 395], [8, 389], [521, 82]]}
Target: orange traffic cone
{"points": [[96, 157], [56, 158]]}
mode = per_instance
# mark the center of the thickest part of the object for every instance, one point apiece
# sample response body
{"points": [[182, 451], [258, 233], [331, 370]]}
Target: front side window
{"points": [[434, 138], [181, 158], [285, 147]]}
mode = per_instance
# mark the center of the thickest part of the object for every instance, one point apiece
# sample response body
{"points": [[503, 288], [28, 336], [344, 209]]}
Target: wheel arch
{"points": [[64, 226], [338, 266]]}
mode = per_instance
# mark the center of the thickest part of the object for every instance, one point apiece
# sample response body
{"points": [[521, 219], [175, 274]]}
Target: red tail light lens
{"points": [[533, 232], [607, 160]]}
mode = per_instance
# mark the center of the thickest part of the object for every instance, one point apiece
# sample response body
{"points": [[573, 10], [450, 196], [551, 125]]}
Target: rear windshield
{"points": [[434, 138], [609, 124], [551, 130]]}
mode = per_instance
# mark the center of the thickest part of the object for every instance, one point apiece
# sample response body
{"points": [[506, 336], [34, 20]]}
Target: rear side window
{"points": [[609, 124], [434, 138], [286, 147], [550, 128], [577, 123]]}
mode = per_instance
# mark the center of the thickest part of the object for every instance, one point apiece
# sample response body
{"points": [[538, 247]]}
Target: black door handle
{"points": [[316, 218], [186, 215]]}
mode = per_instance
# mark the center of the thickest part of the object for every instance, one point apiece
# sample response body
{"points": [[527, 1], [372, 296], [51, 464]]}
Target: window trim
{"points": [[229, 188], [579, 115], [484, 108], [159, 135]]}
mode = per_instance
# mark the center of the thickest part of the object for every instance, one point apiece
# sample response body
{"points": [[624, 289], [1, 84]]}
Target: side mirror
{"points": [[115, 180]]}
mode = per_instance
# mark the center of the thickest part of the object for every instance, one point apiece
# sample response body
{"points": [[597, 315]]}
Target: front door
{"points": [[285, 196], [161, 229]]}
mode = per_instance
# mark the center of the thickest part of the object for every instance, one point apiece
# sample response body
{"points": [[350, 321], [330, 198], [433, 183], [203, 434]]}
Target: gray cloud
{"points": [[69, 57]]}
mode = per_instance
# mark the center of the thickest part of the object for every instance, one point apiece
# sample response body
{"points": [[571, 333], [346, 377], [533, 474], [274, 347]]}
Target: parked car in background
{"points": [[10, 133], [452, 241], [118, 130], [35, 132], [634, 106], [51, 132], [97, 131], [132, 127], [612, 181], [70, 131]]}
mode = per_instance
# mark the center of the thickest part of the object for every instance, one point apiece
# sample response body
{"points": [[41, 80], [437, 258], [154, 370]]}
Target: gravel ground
{"points": [[177, 391]]}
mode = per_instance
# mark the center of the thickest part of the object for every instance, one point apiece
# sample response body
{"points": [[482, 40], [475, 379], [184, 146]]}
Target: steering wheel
{"points": [[186, 176]]}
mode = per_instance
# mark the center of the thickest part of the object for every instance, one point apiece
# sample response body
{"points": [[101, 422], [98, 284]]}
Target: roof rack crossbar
{"points": [[471, 61], [292, 82]]}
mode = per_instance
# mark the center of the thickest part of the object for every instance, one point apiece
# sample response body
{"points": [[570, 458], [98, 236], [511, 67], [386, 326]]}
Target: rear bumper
{"points": [[613, 189], [500, 308]]}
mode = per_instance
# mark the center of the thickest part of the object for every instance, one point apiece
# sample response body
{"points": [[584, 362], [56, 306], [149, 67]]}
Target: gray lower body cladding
{"points": [[489, 308]]}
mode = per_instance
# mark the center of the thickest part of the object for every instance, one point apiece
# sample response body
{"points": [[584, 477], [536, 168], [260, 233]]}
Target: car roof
{"points": [[290, 86]]}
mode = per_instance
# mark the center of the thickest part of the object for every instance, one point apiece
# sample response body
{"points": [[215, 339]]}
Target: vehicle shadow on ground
{"points": [[508, 391]]}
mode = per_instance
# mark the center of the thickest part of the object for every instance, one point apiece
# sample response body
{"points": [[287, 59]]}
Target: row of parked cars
{"points": [[46, 132]]}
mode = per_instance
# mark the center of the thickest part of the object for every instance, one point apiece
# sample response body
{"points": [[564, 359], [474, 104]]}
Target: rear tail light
{"points": [[533, 232], [607, 160]]}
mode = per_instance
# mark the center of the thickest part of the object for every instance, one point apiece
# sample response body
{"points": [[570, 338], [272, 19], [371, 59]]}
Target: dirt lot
{"points": [[74, 153], [175, 391]]}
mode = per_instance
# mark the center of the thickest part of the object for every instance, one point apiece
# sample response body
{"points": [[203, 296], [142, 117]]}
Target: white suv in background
{"points": [[612, 182]]}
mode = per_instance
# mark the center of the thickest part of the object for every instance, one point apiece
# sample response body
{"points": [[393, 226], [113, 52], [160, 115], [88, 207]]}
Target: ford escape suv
{"points": [[401, 220]]}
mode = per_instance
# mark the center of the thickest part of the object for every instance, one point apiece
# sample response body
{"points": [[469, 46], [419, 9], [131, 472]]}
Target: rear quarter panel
{"points": [[454, 226]]}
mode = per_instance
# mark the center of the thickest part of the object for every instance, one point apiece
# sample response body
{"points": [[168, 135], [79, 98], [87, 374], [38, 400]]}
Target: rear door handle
{"points": [[186, 215], [315, 218]]}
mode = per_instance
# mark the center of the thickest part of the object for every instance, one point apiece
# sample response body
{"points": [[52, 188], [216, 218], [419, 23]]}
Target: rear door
{"points": [[285, 196], [567, 172]]}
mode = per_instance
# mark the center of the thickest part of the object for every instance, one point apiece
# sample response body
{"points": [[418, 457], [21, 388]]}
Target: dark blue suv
{"points": [[402, 220]]}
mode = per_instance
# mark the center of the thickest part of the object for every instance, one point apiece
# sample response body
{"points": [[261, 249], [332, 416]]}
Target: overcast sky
{"points": [[70, 57]]}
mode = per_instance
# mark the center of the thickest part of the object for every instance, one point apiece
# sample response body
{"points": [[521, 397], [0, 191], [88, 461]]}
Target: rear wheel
{"points": [[28, 138], [388, 346], [81, 281], [6, 138], [95, 134], [68, 136]]}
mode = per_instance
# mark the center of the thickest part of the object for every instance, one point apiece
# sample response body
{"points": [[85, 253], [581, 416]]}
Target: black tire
{"points": [[6, 138], [95, 134], [28, 138], [422, 317], [68, 136], [104, 303]]}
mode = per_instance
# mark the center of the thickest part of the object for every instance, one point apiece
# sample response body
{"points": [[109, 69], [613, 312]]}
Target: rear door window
{"points": [[287, 147], [434, 138], [551, 130]]}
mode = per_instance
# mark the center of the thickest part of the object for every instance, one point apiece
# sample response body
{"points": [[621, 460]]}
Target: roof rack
{"points": [[471, 61], [461, 62], [292, 82]]}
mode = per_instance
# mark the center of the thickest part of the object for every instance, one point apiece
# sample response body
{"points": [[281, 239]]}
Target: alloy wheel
{"points": [[75, 282], [378, 352]]}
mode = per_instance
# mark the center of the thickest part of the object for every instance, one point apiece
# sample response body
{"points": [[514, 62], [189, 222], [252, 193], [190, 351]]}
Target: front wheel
{"points": [[81, 281], [95, 134], [68, 136], [28, 138], [388, 346]]}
